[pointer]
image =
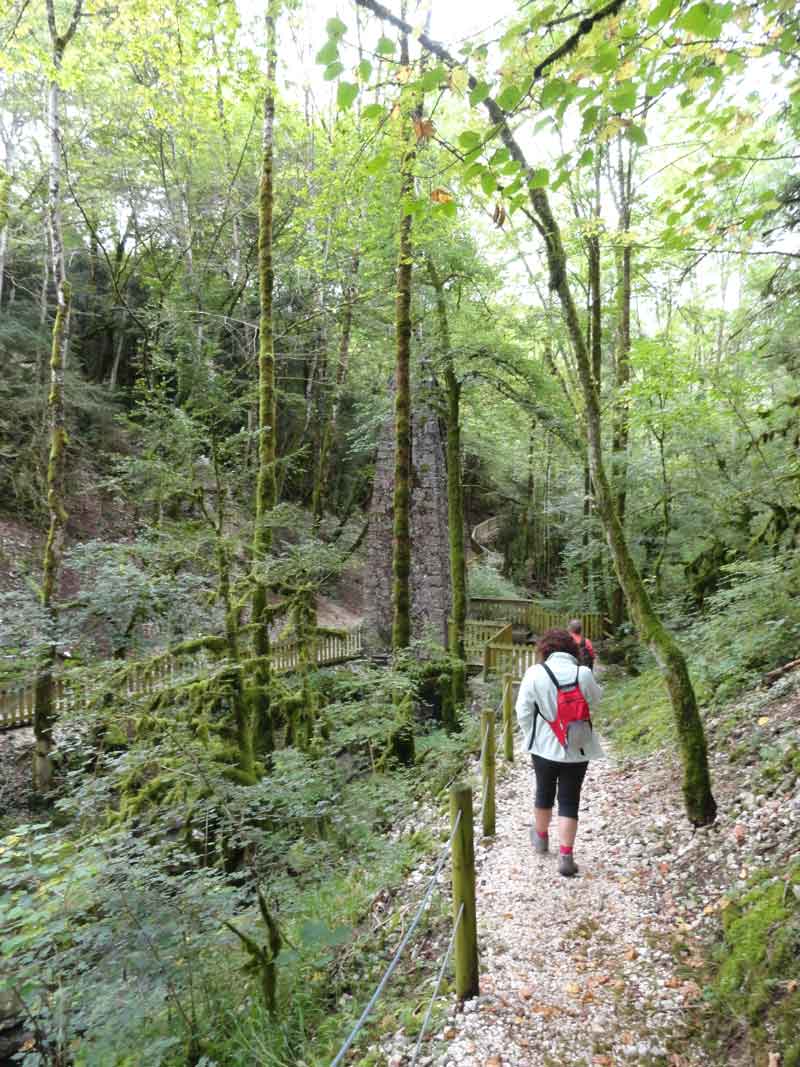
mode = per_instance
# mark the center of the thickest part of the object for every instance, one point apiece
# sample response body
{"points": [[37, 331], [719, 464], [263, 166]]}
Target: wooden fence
{"points": [[506, 658], [534, 616], [477, 634], [16, 705]]}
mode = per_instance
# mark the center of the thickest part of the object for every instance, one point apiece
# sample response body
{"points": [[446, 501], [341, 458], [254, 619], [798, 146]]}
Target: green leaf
{"points": [[586, 158], [636, 134], [335, 28], [624, 98], [699, 21], [469, 139], [540, 178], [364, 70], [502, 155], [345, 95], [373, 111], [590, 117], [449, 210], [662, 12], [432, 79], [606, 59], [333, 70], [385, 46], [472, 171], [488, 182], [509, 98], [328, 53], [479, 93], [553, 91]]}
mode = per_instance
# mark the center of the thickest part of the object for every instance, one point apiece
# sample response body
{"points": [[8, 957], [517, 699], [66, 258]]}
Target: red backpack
{"points": [[573, 722]]}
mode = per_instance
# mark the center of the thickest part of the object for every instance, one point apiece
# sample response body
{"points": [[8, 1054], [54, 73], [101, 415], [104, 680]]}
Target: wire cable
{"points": [[396, 958], [445, 961]]}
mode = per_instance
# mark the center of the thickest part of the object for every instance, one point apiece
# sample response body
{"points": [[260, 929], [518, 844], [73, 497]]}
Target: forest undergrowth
{"points": [[119, 945]]}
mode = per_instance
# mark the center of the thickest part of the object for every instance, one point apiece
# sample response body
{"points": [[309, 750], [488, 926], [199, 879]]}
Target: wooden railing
{"points": [[534, 616], [16, 705], [477, 634], [509, 659]]}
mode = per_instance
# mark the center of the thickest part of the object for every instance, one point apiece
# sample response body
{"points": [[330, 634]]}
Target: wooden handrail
{"points": [[16, 705]]}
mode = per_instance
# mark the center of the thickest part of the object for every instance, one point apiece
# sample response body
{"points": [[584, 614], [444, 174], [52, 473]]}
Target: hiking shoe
{"points": [[540, 844], [567, 865]]}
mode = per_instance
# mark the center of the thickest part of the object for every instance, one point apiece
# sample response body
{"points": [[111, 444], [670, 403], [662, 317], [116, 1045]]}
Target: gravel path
{"points": [[578, 971]]}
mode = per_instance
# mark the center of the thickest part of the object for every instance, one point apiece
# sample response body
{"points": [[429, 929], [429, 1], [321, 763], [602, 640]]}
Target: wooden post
{"points": [[466, 940], [508, 718], [488, 765]]}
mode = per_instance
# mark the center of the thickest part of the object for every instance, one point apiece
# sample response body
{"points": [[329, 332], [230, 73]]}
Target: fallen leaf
{"points": [[763, 722], [494, 1061], [743, 872], [449, 1034], [573, 989], [598, 979], [791, 985], [423, 128], [627, 1038], [631, 953], [663, 867], [526, 993], [774, 1059], [673, 982], [602, 1061], [709, 909], [739, 833], [691, 991]]}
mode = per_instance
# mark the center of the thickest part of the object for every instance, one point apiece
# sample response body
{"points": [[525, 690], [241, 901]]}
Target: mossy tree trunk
{"points": [[44, 711], [455, 491], [699, 801], [324, 478], [266, 484], [241, 712], [622, 361], [401, 546]]}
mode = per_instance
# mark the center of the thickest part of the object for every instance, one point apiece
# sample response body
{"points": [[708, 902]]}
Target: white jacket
{"points": [[537, 689]]}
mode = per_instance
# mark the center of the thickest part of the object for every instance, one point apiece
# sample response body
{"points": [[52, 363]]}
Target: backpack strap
{"points": [[552, 677], [563, 685]]}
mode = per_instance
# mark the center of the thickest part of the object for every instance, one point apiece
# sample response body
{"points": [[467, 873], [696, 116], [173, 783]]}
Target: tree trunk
{"points": [[44, 711], [325, 477], [401, 560], [619, 447], [266, 487], [455, 493], [700, 805]]}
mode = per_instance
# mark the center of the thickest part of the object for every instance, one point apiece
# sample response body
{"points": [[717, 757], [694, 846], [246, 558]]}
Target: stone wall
{"points": [[431, 594]]}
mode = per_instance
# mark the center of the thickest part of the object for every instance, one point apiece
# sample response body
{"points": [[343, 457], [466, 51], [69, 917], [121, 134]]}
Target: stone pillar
{"points": [[431, 594]]}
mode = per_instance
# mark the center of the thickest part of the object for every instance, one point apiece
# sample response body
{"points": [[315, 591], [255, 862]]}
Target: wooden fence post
{"points": [[508, 719], [488, 765], [466, 940]]}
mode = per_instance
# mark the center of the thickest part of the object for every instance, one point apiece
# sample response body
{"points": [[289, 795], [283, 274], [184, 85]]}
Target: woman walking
{"points": [[559, 736]]}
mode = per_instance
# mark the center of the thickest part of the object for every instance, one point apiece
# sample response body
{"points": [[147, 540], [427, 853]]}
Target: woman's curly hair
{"points": [[555, 641]]}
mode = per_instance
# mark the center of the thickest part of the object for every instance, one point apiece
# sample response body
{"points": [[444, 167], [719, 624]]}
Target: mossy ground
{"points": [[754, 993]]}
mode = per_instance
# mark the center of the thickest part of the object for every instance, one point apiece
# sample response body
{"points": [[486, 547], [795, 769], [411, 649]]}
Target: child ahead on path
{"points": [[554, 721], [585, 648]]}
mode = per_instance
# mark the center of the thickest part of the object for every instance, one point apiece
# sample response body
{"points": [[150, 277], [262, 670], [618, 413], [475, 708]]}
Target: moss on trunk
{"points": [[401, 554], [455, 492], [267, 486]]}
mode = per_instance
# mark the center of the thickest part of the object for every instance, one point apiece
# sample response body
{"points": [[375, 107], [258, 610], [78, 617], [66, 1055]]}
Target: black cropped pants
{"points": [[567, 778]]}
